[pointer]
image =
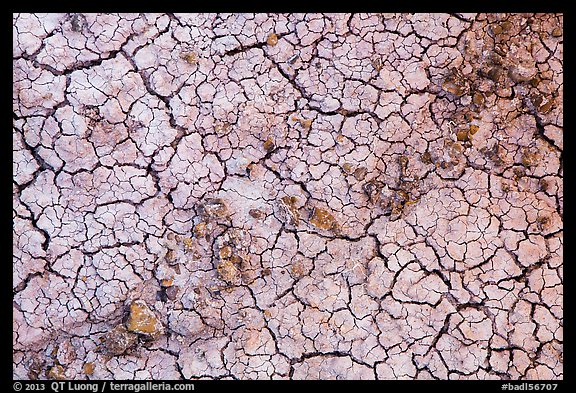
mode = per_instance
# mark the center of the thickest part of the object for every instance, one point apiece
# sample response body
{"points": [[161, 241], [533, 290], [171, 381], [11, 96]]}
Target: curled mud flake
{"points": [[478, 98], [272, 39], [89, 368], [377, 63], [119, 340], [495, 74], [372, 189], [56, 372], [546, 106], [360, 173], [166, 282], [473, 129], [142, 320], [542, 222], [323, 219]]}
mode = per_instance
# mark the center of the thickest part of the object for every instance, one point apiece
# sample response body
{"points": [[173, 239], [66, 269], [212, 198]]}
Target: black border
{"points": [[382, 5]]}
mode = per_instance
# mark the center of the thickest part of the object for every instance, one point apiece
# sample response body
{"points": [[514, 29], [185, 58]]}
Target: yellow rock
{"points": [[348, 167], [453, 88], [190, 57], [225, 252], [462, 135], [227, 271], [188, 242], [56, 372], [272, 39], [142, 320], [478, 98], [200, 229], [307, 123], [89, 368], [323, 219]]}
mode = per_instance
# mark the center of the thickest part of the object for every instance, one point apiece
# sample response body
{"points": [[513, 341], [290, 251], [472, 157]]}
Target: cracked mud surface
{"points": [[287, 196]]}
